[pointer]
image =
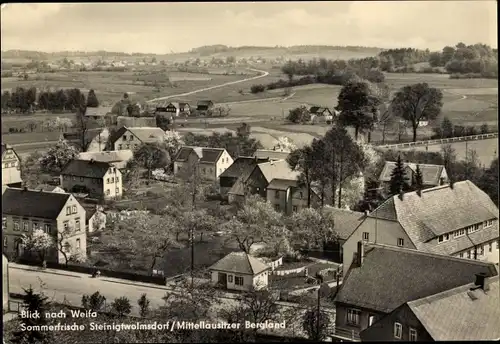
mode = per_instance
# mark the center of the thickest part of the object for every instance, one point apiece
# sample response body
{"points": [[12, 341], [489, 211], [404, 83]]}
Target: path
{"points": [[264, 74]]}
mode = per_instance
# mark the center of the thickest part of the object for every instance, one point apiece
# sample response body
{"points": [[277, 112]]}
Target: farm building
{"points": [[204, 105], [174, 108]]}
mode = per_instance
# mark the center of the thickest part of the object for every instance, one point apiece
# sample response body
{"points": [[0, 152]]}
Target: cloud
{"points": [[162, 27]]}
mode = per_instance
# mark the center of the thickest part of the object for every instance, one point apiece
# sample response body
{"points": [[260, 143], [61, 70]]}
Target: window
{"points": [[16, 225], [277, 194], [74, 209], [470, 229], [108, 192], [398, 330], [112, 179], [125, 137], [77, 224], [413, 335], [481, 250], [468, 254], [120, 147], [65, 225], [131, 138], [47, 228], [68, 210], [127, 146], [459, 233], [301, 195], [238, 280], [35, 226], [4, 223], [490, 247], [295, 208], [461, 254], [81, 179], [117, 190], [107, 181], [230, 278], [488, 223], [67, 247], [446, 237], [25, 226], [440, 239], [117, 179], [366, 236], [401, 242], [477, 226], [353, 316], [135, 145], [371, 320], [78, 243], [5, 243]]}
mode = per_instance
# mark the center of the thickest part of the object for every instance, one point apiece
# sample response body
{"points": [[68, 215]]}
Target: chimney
{"points": [[360, 254], [480, 282]]}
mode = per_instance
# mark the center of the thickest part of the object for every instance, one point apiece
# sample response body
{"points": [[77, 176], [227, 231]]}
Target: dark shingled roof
{"points": [[240, 166], [240, 262], [390, 276], [29, 203], [206, 155], [86, 168], [345, 221], [430, 173], [205, 103]]}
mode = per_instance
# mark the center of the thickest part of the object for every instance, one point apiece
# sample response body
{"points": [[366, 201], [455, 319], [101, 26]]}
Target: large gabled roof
{"points": [[86, 168], [205, 154], [277, 170], [30, 203], [240, 262], [390, 276], [430, 173], [241, 166]]}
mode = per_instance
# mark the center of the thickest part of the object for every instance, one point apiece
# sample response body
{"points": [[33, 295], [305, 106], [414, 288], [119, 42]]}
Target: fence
{"points": [[346, 334], [441, 141], [86, 269]]}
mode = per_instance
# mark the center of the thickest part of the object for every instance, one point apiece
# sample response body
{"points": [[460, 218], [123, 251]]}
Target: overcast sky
{"points": [[178, 27]]}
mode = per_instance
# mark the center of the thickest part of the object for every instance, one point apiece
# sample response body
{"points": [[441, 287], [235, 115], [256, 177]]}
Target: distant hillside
{"points": [[39, 55]]}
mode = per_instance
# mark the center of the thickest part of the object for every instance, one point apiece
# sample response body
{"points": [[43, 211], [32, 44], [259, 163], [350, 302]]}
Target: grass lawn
{"points": [[487, 150]]}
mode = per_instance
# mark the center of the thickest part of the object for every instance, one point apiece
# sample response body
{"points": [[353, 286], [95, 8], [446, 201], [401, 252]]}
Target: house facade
{"points": [[132, 138], [458, 220], [98, 179], [382, 278], [466, 313], [432, 175], [288, 197], [240, 271], [58, 214], [11, 167], [209, 162]]}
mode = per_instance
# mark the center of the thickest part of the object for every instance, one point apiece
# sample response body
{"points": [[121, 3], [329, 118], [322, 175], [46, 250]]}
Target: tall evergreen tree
{"points": [[399, 181], [418, 179], [92, 100], [34, 304]]}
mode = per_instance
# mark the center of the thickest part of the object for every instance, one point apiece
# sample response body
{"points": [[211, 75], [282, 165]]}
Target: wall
{"points": [[226, 183], [341, 317], [301, 202], [114, 185], [384, 329], [381, 232], [223, 164], [208, 171], [76, 233], [247, 280], [11, 174], [278, 198], [94, 185], [260, 281]]}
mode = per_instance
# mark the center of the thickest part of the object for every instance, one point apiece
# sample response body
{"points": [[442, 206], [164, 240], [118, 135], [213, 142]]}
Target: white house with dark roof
{"points": [[432, 175], [210, 162], [467, 313], [382, 278], [240, 271], [97, 179], [24, 211], [459, 220]]}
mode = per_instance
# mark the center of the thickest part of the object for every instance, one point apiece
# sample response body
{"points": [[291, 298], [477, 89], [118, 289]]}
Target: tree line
{"points": [[26, 100]]}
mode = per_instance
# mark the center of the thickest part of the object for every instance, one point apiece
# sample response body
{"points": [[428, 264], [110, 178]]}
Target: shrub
{"points": [[470, 130], [484, 128], [257, 88], [458, 130]]}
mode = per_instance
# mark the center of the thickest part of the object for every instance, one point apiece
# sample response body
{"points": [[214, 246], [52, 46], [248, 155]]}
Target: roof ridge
{"points": [[429, 254], [450, 292]]}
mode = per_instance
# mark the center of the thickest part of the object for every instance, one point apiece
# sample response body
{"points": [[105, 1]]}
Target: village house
{"points": [[101, 114], [467, 313], [458, 220], [131, 138], [320, 111], [118, 159], [240, 271], [97, 179], [288, 197], [204, 105], [259, 179], [174, 109], [432, 175], [95, 218], [210, 162], [382, 278], [58, 214], [241, 166], [11, 167], [272, 155]]}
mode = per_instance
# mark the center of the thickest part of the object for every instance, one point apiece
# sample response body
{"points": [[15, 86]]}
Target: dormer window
{"points": [[488, 223]]}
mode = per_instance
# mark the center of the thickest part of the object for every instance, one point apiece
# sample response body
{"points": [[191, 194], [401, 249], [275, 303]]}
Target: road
{"points": [[264, 74]]}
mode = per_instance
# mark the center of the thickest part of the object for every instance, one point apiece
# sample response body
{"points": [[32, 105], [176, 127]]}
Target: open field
{"points": [[487, 150]]}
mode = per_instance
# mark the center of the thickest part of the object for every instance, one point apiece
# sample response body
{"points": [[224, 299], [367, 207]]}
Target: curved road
{"points": [[264, 73]]}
